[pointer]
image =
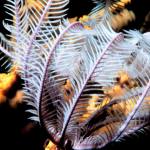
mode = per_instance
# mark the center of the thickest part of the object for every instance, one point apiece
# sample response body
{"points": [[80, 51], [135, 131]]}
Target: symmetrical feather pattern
{"points": [[87, 87]]}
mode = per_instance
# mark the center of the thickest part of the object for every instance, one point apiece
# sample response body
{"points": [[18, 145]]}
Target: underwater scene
{"points": [[74, 74]]}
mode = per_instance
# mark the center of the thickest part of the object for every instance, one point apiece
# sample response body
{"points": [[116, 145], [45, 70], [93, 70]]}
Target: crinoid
{"points": [[86, 86]]}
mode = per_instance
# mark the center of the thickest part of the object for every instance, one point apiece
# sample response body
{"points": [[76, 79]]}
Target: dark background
{"points": [[18, 133]]}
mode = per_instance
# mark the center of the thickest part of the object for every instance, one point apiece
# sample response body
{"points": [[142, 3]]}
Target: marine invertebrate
{"points": [[98, 104], [7, 81]]}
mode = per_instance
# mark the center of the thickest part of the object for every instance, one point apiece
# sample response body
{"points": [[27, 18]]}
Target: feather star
{"points": [[87, 86]]}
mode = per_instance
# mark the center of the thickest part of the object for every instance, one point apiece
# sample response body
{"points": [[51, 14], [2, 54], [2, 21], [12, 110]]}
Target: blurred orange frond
{"points": [[17, 99], [7, 81], [33, 3], [122, 19], [50, 146]]}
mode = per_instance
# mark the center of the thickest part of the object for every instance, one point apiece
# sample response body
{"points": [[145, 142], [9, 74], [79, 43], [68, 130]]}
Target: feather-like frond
{"points": [[86, 87], [99, 48], [19, 18], [5, 63], [51, 10], [41, 29], [5, 54], [40, 72], [106, 6], [119, 118], [4, 47]]}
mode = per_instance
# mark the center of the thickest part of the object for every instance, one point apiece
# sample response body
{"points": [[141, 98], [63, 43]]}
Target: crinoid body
{"points": [[87, 84]]}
